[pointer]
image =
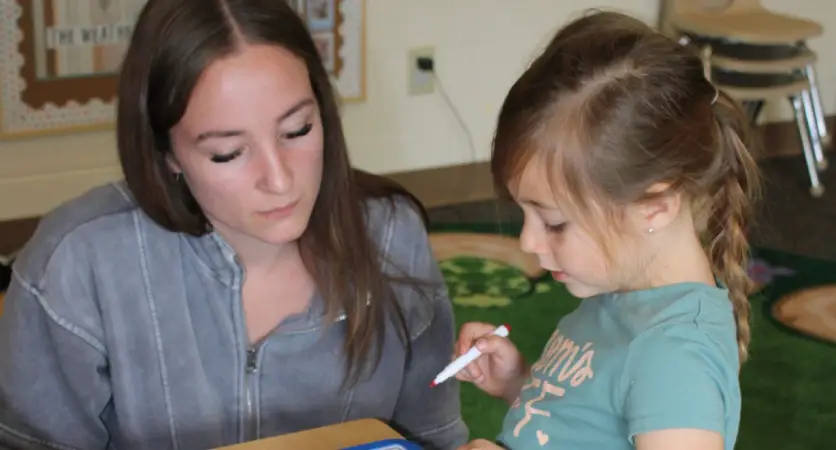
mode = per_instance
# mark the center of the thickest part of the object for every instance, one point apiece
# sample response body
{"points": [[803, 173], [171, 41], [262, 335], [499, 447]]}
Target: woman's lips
{"points": [[558, 275], [279, 213]]}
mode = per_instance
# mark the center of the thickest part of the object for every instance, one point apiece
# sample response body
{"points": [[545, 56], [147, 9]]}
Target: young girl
{"points": [[635, 182]]}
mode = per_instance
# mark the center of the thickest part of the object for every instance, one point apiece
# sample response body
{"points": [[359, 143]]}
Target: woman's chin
{"points": [[280, 232]]}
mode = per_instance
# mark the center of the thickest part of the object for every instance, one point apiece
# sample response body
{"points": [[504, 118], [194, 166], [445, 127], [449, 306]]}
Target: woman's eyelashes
{"points": [[227, 157], [300, 132]]}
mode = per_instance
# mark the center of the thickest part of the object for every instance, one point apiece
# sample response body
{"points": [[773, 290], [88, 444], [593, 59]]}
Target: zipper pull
{"points": [[251, 360]]}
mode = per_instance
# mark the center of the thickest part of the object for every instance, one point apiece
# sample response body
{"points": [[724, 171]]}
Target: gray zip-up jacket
{"points": [[119, 334]]}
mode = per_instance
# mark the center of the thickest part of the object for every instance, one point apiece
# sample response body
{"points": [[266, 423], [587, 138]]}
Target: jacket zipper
{"points": [[249, 379], [250, 370]]}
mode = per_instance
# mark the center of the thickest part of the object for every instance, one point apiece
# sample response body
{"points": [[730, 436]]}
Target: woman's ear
{"points": [[173, 164], [5, 271]]}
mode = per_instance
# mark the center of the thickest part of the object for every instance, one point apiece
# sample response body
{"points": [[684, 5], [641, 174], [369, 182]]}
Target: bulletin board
{"points": [[59, 59], [59, 62]]}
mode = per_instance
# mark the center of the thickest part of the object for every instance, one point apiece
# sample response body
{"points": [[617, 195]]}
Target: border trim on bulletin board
{"points": [[338, 28], [37, 96], [356, 90], [46, 89]]}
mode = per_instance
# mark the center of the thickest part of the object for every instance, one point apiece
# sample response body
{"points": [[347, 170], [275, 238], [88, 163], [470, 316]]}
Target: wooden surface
{"points": [[332, 437], [765, 66], [740, 20], [781, 92], [757, 27]]}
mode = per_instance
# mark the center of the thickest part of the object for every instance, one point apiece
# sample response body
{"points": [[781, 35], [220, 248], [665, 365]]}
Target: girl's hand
{"points": [[480, 444], [501, 370]]}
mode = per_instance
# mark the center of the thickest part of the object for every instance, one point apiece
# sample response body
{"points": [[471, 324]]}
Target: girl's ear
{"points": [[660, 210]]}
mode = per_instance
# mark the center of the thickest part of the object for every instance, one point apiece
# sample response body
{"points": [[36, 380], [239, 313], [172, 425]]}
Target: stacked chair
{"points": [[756, 55]]}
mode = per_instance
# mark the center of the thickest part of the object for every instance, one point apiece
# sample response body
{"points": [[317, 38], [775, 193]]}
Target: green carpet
{"points": [[789, 384]]}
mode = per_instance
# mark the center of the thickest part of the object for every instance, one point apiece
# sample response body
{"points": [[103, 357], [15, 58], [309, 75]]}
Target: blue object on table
{"points": [[387, 444]]}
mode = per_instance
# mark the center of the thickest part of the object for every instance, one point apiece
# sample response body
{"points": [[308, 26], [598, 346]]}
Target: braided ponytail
{"points": [[736, 186]]}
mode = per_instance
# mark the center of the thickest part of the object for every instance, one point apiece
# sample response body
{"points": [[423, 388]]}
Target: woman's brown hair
{"points": [[173, 43], [615, 107]]}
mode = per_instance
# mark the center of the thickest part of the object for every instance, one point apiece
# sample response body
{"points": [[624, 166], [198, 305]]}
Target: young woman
{"points": [[243, 281]]}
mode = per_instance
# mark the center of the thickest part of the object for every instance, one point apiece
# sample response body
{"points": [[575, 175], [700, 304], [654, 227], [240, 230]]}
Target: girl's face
{"points": [[564, 247], [250, 146]]}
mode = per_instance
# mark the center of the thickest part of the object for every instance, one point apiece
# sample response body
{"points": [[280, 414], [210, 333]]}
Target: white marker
{"points": [[462, 361]]}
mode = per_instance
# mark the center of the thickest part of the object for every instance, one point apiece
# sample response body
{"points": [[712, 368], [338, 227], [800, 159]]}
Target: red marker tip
{"points": [[433, 384], [507, 326]]}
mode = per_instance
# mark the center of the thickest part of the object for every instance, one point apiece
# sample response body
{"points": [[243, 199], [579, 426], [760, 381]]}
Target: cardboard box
{"points": [[332, 437]]}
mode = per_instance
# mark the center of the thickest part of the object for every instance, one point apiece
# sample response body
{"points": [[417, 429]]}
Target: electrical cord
{"points": [[426, 64]]}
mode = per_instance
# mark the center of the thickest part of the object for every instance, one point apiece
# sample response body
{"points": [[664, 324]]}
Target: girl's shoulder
{"points": [[675, 326], [690, 305]]}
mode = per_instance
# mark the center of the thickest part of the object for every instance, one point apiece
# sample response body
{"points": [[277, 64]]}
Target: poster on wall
{"points": [[59, 59]]}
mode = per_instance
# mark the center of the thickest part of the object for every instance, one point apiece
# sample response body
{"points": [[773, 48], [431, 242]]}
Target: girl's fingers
{"points": [[473, 370], [463, 347], [464, 374]]}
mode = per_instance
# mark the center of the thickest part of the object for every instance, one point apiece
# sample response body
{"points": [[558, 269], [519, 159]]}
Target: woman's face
{"points": [[250, 146]]}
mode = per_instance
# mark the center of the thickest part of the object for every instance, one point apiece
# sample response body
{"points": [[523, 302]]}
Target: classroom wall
{"points": [[480, 47]]}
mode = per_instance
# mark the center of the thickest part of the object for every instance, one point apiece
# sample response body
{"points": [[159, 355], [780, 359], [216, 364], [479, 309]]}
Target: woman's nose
{"points": [[276, 176]]}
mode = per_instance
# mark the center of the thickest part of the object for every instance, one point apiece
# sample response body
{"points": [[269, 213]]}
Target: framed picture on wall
{"points": [[320, 14], [59, 59], [325, 45], [339, 31]]}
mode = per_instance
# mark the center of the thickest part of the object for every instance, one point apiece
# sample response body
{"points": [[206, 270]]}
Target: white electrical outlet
{"points": [[420, 82]]}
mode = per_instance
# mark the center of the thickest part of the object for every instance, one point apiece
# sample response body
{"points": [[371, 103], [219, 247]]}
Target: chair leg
{"points": [[810, 71], [705, 54], [816, 188], [812, 126], [753, 109]]}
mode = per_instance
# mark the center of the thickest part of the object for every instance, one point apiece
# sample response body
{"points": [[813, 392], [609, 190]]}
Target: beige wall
{"points": [[477, 58]]}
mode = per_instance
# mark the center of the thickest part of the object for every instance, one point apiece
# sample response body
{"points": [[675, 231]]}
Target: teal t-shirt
{"points": [[629, 363]]}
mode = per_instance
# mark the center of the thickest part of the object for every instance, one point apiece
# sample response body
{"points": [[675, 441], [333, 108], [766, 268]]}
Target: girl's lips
{"points": [[558, 275]]}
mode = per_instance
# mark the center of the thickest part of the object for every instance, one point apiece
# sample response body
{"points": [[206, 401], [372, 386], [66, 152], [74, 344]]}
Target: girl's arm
{"points": [[679, 439]]}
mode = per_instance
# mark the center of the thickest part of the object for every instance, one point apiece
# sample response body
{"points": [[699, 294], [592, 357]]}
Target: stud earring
{"points": [[650, 230]]}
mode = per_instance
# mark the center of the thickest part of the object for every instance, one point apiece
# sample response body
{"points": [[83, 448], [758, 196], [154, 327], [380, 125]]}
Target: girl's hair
{"points": [[172, 44], [611, 108]]}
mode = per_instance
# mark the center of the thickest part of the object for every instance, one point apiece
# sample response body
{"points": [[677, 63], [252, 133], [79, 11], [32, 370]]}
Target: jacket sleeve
{"points": [[53, 369], [428, 415]]}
